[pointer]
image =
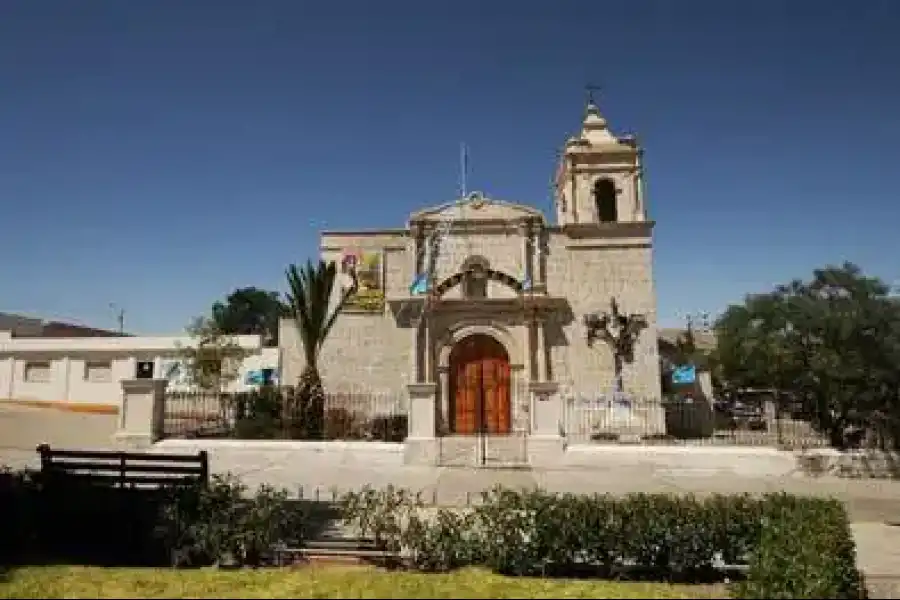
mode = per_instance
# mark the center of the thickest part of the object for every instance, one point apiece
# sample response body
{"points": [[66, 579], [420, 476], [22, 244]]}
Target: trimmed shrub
{"points": [[442, 541], [658, 536], [665, 536], [224, 524], [383, 515], [805, 550]]}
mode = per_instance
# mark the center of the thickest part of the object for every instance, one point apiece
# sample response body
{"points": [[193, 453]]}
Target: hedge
{"points": [[658, 536], [806, 550]]}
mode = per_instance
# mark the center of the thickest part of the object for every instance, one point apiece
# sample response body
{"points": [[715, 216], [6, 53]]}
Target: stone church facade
{"points": [[488, 348]]}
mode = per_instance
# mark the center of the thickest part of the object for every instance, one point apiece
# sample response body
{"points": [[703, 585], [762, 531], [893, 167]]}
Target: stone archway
{"points": [[469, 327], [480, 390]]}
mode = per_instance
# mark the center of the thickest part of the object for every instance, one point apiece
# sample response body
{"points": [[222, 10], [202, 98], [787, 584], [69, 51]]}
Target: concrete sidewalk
{"points": [[878, 555]]}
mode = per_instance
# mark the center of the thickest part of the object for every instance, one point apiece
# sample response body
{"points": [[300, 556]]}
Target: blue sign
{"points": [[684, 374], [261, 377], [419, 285], [254, 377]]}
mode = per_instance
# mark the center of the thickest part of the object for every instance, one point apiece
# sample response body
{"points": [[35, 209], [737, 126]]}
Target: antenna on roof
{"points": [[120, 316]]}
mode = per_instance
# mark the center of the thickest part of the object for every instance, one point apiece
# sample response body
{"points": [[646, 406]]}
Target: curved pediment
{"points": [[477, 207], [490, 274]]}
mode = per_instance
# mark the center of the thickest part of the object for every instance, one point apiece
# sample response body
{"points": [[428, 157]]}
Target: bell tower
{"points": [[599, 179]]}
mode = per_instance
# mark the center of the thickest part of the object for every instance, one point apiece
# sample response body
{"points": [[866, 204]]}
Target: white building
{"points": [[87, 372]]}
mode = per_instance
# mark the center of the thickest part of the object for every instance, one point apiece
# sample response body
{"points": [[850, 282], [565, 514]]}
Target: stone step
{"points": [[481, 451], [340, 543], [337, 551], [458, 451], [506, 451]]}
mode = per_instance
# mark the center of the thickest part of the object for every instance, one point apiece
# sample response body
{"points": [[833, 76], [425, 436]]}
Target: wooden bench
{"points": [[124, 469]]}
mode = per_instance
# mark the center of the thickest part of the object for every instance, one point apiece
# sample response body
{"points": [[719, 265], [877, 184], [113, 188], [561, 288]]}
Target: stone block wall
{"points": [[588, 273]]}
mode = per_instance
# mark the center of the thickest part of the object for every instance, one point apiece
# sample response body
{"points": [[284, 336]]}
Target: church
{"points": [[474, 313]]}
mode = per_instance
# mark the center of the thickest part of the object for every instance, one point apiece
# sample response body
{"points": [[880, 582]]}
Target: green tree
{"points": [[619, 331], [831, 343], [250, 311], [309, 303], [214, 358]]}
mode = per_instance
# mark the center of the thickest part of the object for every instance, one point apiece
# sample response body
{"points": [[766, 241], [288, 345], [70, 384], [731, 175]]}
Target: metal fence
{"points": [[689, 422], [280, 413]]}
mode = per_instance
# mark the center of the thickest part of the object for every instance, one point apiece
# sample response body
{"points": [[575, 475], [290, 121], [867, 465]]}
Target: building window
{"points": [[605, 200], [98, 371], [37, 372]]}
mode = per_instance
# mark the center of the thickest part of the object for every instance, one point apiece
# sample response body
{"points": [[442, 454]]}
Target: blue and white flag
{"points": [[419, 285]]}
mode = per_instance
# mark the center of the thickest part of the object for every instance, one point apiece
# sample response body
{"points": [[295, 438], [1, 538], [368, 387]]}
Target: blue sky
{"points": [[159, 154]]}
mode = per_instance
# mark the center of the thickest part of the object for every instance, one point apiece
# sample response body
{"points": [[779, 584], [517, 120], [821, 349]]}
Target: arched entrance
{"points": [[480, 391]]}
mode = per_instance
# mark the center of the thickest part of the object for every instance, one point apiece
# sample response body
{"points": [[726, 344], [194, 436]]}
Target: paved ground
{"points": [[883, 587], [23, 428], [871, 502]]}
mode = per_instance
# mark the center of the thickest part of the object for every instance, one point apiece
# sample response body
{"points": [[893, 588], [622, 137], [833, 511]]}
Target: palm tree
{"points": [[311, 288], [620, 332]]}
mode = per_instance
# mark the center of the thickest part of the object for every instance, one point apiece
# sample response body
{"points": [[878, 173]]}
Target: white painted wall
{"points": [[68, 359]]}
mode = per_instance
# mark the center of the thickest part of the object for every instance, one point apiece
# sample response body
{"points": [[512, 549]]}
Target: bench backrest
{"points": [[125, 469]]}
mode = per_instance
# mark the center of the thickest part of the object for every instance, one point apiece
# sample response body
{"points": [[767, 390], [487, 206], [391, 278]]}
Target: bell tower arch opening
{"points": [[605, 199]]}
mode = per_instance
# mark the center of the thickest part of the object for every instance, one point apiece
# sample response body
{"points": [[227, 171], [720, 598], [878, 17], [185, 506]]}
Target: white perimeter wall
{"points": [[67, 361]]}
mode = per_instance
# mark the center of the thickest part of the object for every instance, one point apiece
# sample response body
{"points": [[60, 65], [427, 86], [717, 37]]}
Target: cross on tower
{"points": [[590, 89]]}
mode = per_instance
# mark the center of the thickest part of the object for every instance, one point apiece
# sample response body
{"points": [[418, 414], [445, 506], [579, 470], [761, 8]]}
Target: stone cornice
{"points": [[363, 232], [628, 229]]}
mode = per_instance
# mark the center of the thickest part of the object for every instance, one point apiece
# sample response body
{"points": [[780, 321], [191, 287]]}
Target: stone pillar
{"points": [[546, 445], [539, 268], [639, 186], [525, 231], [416, 363], [573, 188], [530, 349], [428, 377], [421, 445], [418, 232], [416, 354], [546, 409], [143, 413], [541, 352], [444, 391]]}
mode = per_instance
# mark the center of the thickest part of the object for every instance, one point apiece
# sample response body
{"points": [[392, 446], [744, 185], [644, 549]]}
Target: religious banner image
{"points": [[369, 295]]}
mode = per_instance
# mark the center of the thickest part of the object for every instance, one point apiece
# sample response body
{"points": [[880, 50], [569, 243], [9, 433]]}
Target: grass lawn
{"points": [[314, 582]]}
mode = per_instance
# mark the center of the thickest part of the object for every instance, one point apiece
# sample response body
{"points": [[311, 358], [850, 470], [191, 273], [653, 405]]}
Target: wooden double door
{"points": [[480, 391]]}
